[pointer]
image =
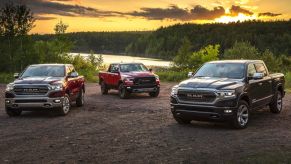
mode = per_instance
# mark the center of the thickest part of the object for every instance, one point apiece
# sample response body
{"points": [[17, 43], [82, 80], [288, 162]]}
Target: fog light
{"points": [[57, 101], [227, 111], [7, 101], [128, 87]]}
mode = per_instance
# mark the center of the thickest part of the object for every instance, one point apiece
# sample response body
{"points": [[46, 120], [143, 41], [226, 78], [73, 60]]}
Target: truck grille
{"points": [[30, 90], [196, 96], [144, 80]]}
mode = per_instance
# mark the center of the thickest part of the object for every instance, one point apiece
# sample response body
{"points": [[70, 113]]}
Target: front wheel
{"points": [[156, 93], [13, 112], [241, 116], [123, 93], [277, 104], [104, 89], [66, 106], [181, 120]]}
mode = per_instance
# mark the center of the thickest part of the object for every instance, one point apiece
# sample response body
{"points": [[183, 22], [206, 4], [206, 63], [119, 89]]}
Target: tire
{"points": [[181, 120], [241, 115], [80, 99], [123, 93], [277, 104], [66, 106], [104, 89], [155, 94], [13, 112]]}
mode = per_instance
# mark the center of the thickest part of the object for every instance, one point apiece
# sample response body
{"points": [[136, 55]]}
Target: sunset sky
{"points": [[138, 15]]}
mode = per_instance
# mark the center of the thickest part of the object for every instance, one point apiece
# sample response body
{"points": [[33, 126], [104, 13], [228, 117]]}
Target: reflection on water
{"points": [[126, 59]]}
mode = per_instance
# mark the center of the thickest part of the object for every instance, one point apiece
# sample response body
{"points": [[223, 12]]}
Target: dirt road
{"points": [[139, 130]]}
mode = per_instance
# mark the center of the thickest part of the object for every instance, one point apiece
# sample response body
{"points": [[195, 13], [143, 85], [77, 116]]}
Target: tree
{"points": [[184, 53], [241, 50], [206, 54], [15, 20], [60, 27], [15, 23]]}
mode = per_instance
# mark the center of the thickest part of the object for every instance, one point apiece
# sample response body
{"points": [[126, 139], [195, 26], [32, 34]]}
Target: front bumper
{"points": [[203, 112], [142, 89], [33, 102]]}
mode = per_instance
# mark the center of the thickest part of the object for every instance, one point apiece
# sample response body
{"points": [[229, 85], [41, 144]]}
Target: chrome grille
{"points": [[30, 90], [196, 96]]}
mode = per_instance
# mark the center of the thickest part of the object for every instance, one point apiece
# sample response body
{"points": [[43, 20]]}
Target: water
{"points": [[127, 59]]}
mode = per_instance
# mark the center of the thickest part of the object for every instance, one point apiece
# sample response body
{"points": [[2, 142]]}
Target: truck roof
{"points": [[127, 63], [236, 61], [50, 64]]}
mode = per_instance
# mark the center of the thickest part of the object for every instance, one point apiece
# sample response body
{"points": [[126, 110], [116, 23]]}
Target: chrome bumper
{"points": [[35, 102]]}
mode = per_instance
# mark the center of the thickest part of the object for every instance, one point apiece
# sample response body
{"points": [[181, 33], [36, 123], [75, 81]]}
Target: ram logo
{"points": [[195, 96], [31, 90]]}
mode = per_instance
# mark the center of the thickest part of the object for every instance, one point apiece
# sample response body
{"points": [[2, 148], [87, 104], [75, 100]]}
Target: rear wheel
{"points": [[66, 106], [241, 117], [156, 93], [104, 89], [277, 104], [80, 100], [181, 120], [123, 93], [13, 112]]}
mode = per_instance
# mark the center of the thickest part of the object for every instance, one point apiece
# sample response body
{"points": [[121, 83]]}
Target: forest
{"points": [[165, 42]]}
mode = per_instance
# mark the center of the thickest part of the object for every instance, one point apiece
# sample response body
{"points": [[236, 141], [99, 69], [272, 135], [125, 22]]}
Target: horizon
{"points": [[147, 15]]}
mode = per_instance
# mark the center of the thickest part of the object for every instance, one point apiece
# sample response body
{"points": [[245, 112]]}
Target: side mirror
{"points": [[115, 70], [16, 75], [151, 70], [190, 74], [258, 76], [73, 74]]}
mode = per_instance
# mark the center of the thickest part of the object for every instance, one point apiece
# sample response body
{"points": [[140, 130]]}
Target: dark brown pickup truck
{"points": [[49, 86]]}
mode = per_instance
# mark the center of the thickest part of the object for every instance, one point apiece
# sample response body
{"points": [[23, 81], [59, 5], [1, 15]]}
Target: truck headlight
{"points": [[175, 90], [56, 87], [226, 94], [9, 87], [157, 78]]}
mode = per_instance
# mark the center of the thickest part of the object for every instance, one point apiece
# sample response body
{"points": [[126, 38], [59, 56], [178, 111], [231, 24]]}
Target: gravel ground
{"points": [[139, 130]]}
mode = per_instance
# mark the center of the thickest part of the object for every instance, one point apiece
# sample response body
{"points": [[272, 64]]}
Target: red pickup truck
{"points": [[129, 78], [50, 86]]}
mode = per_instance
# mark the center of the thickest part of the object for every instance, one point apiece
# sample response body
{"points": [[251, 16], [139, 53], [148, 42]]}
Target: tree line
{"points": [[18, 49]]}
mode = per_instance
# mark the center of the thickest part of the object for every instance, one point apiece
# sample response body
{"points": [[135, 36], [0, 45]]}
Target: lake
{"points": [[126, 59]]}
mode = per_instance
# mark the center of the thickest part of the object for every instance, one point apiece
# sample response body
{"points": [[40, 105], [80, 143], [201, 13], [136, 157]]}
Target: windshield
{"points": [[54, 71], [222, 70], [133, 68]]}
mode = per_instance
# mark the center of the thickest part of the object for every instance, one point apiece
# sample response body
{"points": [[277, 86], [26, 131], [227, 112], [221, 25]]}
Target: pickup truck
{"points": [[129, 78], [227, 90], [48, 86]]}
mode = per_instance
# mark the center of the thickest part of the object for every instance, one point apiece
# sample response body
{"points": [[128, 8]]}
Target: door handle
{"points": [[260, 84], [270, 81]]}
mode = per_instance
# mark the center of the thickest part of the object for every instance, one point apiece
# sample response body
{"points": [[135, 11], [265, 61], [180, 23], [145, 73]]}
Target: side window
{"points": [[261, 68], [113, 68], [68, 70], [251, 70]]}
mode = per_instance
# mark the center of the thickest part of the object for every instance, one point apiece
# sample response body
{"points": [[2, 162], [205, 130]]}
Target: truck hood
{"points": [[212, 83], [137, 74], [38, 80]]}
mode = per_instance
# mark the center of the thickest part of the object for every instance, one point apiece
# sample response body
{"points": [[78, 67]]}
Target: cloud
{"points": [[175, 13], [235, 10], [269, 14], [44, 18], [40, 7]]}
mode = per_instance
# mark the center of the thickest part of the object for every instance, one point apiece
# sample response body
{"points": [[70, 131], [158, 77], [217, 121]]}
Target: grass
{"points": [[6, 78], [288, 82], [172, 76]]}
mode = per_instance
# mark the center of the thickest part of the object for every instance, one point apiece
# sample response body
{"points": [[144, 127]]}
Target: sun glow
{"points": [[240, 17]]}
